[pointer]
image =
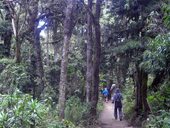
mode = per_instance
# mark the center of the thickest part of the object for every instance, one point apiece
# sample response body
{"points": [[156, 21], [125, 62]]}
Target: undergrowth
{"points": [[21, 111]]}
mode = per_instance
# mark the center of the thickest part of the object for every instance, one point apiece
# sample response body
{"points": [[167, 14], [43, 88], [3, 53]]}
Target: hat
{"points": [[113, 85]]}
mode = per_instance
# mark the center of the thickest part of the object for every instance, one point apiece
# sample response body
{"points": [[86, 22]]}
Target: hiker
{"points": [[105, 94], [117, 100], [109, 92], [113, 87]]}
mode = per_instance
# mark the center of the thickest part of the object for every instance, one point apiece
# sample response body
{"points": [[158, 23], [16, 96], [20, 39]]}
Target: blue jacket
{"points": [[105, 92]]}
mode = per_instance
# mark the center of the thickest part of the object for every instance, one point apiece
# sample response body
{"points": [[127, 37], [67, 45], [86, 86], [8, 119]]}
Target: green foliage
{"points": [[156, 58], [160, 99], [52, 77], [107, 18], [76, 111], [127, 47], [5, 61], [160, 105], [5, 26], [100, 105], [13, 76], [21, 111], [167, 15], [129, 99], [160, 121]]}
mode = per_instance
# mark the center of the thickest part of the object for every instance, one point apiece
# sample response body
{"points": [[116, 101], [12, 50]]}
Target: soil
{"points": [[106, 119]]}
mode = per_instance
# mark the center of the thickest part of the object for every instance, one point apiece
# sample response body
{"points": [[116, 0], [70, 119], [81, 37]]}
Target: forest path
{"points": [[106, 119]]}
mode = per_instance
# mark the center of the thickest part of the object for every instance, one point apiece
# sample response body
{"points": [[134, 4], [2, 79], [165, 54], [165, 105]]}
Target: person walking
{"points": [[105, 94], [117, 100]]}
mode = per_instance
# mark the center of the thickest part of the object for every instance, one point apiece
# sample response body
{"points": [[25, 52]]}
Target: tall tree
{"points": [[68, 27], [96, 61], [89, 53], [35, 35], [18, 11]]}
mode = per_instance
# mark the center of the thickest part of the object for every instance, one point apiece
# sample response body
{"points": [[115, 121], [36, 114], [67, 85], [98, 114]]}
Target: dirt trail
{"points": [[106, 119]]}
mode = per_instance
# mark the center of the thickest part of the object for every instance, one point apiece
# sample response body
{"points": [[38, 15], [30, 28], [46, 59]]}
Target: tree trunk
{"points": [[96, 63], [138, 106], [47, 47], [141, 92], [68, 27], [18, 50], [15, 26], [33, 24], [124, 69], [118, 77], [144, 94], [39, 65], [89, 54]]}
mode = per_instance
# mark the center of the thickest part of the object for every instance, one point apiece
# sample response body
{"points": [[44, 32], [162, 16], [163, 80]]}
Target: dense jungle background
{"points": [[56, 56]]}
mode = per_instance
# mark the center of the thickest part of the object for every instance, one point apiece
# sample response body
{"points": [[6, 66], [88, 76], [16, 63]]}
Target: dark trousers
{"points": [[118, 111]]}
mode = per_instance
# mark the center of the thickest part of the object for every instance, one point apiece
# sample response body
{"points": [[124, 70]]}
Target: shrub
{"points": [[14, 76], [18, 110], [159, 102], [21, 111], [162, 120], [128, 101], [76, 111]]}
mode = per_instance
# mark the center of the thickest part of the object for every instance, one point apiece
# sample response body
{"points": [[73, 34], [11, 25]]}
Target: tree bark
{"points": [[144, 94], [141, 92], [96, 63], [39, 65], [138, 106], [33, 24], [89, 54], [18, 50], [68, 27], [47, 47], [15, 26]]}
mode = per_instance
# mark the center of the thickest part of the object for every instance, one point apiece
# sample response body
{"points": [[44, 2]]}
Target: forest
{"points": [[57, 55]]}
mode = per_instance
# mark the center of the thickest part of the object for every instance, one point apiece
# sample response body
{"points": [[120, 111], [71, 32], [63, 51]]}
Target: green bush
{"points": [[162, 120], [13, 76], [76, 111], [160, 105], [18, 110], [160, 99], [21, 111], [128, 100], [4, 62]]}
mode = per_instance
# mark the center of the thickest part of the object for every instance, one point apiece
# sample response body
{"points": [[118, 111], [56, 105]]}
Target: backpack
{"points": [[117, 99]]}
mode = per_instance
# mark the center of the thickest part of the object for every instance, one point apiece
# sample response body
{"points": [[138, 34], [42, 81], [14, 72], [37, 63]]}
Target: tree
{"points": [[89, 54], [35, 35], [68, 28], [96, 61]]}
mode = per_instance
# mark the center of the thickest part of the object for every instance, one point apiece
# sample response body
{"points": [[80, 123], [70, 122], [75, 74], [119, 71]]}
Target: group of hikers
{"points": [[116, 100]]}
